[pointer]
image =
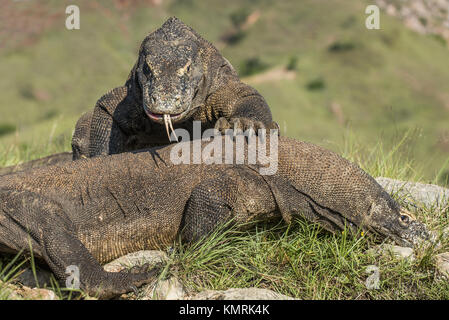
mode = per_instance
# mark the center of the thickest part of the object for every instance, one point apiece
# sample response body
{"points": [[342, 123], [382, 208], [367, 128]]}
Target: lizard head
{"points": [[387, 218], [170, 73]]}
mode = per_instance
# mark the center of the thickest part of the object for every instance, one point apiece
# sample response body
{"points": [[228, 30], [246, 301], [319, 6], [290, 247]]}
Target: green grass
{"points": [[302, 261]]}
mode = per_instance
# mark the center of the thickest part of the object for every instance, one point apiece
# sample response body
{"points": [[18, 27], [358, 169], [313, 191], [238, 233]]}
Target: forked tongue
{"points": [[168, 123]]}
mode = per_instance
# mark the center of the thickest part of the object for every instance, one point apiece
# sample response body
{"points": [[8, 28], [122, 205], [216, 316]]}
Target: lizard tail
{"points": [[42, 162]]}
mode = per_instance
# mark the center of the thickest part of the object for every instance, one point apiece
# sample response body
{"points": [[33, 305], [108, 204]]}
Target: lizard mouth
{"points": [[159, 117], [167, 119]]}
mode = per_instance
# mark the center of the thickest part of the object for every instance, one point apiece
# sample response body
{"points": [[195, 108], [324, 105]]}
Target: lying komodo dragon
{"points": [[178, 78], [88, 212]]}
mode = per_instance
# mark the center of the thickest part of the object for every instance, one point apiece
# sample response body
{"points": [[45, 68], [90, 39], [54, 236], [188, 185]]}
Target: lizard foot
{"points": [[114, 284], [146, 267], [240, 125]]}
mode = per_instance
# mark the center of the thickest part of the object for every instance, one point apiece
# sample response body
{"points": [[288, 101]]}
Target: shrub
{"points": [[238, 17], [292, 63], [6, 128], [316, 84], [341, 46], [252, 66]]}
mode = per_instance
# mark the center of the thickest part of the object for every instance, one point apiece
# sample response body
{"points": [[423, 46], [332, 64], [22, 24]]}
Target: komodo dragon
{"points": [[178, 78], [90, 211]]}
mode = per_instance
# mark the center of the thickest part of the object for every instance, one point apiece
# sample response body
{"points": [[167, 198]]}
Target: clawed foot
{"points": [[147, 267], [240, 125]]}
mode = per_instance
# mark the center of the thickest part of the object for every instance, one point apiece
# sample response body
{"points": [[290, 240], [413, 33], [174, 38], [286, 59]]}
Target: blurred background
{"points": [[327, 78]]}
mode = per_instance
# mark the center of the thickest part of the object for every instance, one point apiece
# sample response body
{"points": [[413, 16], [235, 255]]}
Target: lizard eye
{"points": [[404, 220]]}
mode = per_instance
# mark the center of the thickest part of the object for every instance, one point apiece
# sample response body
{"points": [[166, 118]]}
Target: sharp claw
{"points": [[134, 289]]}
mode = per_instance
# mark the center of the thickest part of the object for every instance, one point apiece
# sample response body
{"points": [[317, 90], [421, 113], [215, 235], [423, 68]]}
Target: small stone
{"points": [[402, 252], [152, 257], [170, 289], [9, 292], [442, 264], [240, 294], [37, 294], [12, 291], [397, 251]]}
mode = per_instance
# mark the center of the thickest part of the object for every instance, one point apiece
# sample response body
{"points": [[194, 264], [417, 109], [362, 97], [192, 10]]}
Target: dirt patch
{"points": [[271, 75], [22, 22]]}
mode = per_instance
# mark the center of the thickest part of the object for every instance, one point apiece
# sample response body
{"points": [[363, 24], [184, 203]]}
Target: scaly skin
{"points": [[90, 211]]}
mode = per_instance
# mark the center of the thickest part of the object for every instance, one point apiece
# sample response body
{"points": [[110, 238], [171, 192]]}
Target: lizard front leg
{"points": [[240, 107], [103, 130], [105, 135]]}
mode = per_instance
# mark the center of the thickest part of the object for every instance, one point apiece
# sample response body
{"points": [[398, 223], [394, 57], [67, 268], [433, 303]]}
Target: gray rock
{"points": [[37, 294], [414, 193], [9, 292], [240, 294], [396, 251], [442, 264], [170, 289], [16, 292], [138, 258], [401, 252]]}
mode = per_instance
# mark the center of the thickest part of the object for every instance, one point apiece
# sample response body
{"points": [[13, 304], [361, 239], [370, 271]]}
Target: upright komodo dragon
{"points": [[88, 212], [178, 78]]}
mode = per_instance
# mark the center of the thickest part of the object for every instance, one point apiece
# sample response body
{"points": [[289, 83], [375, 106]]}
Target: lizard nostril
{"points": [[153, 99]]}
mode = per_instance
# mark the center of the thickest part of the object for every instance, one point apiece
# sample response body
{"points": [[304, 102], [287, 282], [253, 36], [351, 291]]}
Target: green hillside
{"points": [[347, 82]]}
